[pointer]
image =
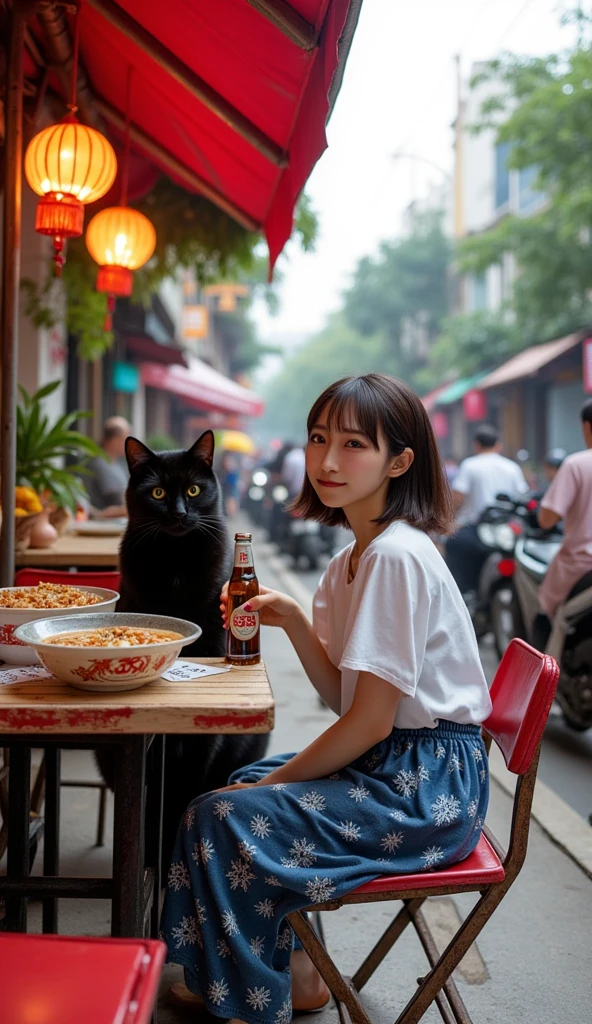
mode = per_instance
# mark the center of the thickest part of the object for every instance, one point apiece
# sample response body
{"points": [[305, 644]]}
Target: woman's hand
{"points": [[275, 609]]}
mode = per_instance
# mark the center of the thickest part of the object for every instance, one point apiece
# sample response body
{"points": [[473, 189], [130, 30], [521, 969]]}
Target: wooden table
{"points": [[73, 550], [50, 714]]}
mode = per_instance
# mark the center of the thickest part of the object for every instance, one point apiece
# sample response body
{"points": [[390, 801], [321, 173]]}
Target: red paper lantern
{"points": [[474, 405]]}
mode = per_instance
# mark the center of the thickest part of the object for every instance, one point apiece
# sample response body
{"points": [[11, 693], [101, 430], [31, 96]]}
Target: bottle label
{"points": [[244, 625], [243, 555]]}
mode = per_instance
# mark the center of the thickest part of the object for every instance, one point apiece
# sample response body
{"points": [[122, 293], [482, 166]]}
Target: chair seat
{"points": [[481, 867]]}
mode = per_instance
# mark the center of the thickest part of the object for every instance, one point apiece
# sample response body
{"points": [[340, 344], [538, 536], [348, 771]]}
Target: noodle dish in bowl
{"points": [[108, 651]]}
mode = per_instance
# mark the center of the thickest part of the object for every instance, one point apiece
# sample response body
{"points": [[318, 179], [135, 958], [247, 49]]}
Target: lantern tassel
{"points": [[59, 257], [108, 322]]}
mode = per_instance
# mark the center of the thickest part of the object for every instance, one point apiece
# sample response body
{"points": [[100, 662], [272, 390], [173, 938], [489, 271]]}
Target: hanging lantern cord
{"points": [[72, 107]]}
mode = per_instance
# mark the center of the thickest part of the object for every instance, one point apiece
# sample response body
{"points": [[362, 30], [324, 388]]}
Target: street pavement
{"points": [[531, 963]]}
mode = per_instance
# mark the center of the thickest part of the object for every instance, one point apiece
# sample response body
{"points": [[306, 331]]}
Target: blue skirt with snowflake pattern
{"points": [[244, 860]]}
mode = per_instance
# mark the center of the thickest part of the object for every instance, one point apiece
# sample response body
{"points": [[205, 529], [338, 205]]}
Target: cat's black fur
{"points": [[175, 557]]}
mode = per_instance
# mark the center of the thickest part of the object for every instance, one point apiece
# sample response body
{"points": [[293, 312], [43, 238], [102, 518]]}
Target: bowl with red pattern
{"points": [[16, 652], [109, 651]]}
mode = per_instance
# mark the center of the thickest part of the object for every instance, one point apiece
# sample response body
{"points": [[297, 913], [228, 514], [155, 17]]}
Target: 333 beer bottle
{"points": [[243, 647]]}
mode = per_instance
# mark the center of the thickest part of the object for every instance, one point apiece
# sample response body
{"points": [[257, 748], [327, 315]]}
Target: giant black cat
{"points": [[175, 557]]}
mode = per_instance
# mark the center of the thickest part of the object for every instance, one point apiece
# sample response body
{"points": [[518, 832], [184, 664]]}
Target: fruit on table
{"points": [[27, 501]]}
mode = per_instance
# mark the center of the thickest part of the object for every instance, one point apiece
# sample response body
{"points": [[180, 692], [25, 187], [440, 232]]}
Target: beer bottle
{"points": [[243, 646]]}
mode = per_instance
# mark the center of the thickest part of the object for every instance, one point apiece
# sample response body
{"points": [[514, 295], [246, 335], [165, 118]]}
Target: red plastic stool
{"points": [[51, 978]]}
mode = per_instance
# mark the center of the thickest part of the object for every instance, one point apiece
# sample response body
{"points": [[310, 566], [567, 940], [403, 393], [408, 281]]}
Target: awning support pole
{"points": [[190, 81], [11, 268], [292, 24]]}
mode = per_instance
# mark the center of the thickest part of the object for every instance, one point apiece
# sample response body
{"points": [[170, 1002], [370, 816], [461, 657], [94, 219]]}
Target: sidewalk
{"points": [[532, 963]]}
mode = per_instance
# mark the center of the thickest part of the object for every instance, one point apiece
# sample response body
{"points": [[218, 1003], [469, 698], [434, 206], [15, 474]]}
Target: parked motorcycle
{"points": [[299, 538], [497, 529], [570, 642]]}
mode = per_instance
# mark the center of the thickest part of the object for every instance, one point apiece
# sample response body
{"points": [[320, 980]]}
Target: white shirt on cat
{"points": [[403, 619]]}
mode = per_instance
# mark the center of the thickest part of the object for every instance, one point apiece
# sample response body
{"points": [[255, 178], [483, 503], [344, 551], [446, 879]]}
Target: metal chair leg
{"points": [[101, 816]]}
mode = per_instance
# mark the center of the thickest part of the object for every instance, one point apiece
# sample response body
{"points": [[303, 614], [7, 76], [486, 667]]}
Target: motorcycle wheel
{"points": [[574, 723], [502, 619]]}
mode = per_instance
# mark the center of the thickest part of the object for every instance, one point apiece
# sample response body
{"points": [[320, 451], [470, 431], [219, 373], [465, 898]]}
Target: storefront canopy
{"points": [[202, 387], [230, 97], [454, 392], [529, 362]]}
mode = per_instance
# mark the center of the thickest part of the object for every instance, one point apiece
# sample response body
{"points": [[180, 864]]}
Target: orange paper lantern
{"points": [[120, 240], [69, 165]]}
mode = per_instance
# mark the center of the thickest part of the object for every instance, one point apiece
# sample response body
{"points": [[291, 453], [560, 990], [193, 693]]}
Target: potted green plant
{"points": [[41, 447]]}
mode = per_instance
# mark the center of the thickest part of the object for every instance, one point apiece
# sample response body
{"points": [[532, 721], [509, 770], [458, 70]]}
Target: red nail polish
{"points": [[248, 608]]}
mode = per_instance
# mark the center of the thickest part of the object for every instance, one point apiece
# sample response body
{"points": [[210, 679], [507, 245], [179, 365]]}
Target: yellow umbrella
{"points": [[236, 441]]}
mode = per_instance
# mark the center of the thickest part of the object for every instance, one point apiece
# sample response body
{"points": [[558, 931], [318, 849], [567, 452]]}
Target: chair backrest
{"points": [[31, 577], [521, 693]]}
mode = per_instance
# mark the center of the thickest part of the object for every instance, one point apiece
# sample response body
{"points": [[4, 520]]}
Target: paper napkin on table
{"points": [[188, 670]]}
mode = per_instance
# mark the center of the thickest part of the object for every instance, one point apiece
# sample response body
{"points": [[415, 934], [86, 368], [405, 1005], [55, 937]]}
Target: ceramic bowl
{"points": [[15, 651], [107, 669]]}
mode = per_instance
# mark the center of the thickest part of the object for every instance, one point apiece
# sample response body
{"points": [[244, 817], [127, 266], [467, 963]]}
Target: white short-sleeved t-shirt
{"points": [[480, 478], [403, 619]]}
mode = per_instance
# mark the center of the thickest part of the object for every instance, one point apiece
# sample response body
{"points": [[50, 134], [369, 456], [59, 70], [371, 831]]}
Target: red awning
{"points": [[230, 97], [530, 361], [202, 387]]}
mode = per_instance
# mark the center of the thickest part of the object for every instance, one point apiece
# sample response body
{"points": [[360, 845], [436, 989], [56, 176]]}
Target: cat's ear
{"points": [[203, 448], [136, 453]]}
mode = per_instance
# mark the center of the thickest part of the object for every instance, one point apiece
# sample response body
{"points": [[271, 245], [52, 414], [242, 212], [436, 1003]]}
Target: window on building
{"points": [[478, 292], [528, 196], [502, 175]]}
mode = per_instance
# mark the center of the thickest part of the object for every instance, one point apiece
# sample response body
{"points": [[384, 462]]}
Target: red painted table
{"points": [[48, 713], [57, 979]]}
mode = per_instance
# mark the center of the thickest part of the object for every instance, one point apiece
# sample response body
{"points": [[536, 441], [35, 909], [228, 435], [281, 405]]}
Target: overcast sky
{"points": [[398, 95]]}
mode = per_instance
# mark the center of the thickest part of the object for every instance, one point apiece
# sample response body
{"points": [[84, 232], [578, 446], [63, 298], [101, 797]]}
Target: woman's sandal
{"points": [[184, 999]]}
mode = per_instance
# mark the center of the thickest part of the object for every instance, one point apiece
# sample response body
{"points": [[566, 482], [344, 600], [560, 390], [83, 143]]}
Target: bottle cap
{"points": [[243, 536]]}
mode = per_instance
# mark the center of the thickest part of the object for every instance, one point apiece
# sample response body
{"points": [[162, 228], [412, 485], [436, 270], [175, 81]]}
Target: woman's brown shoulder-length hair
{"points": [[375, 403]]}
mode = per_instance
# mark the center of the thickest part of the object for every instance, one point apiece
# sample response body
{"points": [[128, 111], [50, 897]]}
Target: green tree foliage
{"points": [[466, 344], [402, 291], [543, 110]]}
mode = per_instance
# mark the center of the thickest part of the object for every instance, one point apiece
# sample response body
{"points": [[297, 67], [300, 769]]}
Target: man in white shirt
{"points": [[479, 480], [293, 471]]}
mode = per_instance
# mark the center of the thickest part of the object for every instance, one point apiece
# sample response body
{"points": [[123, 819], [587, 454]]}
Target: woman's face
{"points": [[345, 468]]}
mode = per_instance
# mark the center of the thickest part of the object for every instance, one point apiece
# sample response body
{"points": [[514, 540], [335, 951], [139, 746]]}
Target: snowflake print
{"points": [[455, 764], [349, 831], [472, 808], [422, 774], [406, 783], [302, 854], [483, 774], [259, 998], [217, 992], [358, 793], [432, 856], [189, 818], [246, 851], [222, 808], [477, 753], [179, 877], [319, 889], [398, 815], [279, 785], [285, 938], [392, 841], [446, 809], [240, 874], [260, 826], [200, 912], [312, 801], [440, 751], [202, 851], [265, 907], [186, 933], [257, 945], [409, 745], [372, 761], [229, 924], [284, 1014], [222, 948], [272, 880], [479, 823]]}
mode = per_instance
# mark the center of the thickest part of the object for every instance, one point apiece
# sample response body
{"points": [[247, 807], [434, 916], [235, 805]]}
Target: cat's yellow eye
{"points": [[158, 493], [193, 491]]}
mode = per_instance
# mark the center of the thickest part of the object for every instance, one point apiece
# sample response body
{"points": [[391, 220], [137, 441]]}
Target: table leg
{"points": [[129, 822], [154, 816], [19, 801], [51, 848]]}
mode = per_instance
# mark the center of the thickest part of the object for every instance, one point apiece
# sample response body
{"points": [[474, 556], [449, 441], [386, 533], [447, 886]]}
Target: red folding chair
{"points": [[30, 578], [522, 693], [58, 978]]}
